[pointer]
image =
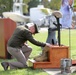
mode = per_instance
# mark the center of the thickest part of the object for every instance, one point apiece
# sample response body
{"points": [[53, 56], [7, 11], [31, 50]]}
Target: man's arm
{"points": [[30, 38]]}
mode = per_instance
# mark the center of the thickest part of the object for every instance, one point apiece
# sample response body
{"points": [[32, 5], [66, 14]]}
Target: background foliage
{"points": [[53, 4]]}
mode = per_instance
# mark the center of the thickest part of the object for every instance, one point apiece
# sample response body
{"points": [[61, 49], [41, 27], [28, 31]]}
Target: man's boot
{"points": [[43, 56]]}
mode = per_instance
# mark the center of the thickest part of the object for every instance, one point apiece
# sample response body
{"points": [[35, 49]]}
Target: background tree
{"points": [[75, 5], [5, 5], [33, 3], [45, 3], [25, 6], [55, 4]]}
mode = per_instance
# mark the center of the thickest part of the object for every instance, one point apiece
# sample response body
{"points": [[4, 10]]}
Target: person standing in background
{"points": [[51, 38], [67, 13]]}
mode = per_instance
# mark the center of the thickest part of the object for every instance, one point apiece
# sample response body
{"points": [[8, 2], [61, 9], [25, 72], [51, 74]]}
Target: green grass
{"points": [[68, 38], [36, 50]]}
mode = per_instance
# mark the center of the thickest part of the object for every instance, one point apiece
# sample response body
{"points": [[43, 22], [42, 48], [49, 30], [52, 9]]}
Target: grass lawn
{"points": [[36, 50]]}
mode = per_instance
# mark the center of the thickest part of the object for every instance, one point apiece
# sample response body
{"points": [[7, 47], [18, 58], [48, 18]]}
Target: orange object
{"points": [[42, 65], [74, 62], [56, 53], [7, 27]]}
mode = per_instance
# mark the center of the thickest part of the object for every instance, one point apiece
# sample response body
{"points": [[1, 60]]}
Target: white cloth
{"points": [[67, 13]]}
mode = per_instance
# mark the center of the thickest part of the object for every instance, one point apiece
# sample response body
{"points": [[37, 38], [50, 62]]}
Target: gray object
{"points": [[66, 63]]}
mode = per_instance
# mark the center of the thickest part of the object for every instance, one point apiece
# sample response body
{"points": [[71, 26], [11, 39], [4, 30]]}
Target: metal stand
{"points": [[58, 28], [70, 41]]}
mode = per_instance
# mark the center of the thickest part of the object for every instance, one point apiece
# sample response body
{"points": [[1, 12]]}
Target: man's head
{"points": [[32, 27]]}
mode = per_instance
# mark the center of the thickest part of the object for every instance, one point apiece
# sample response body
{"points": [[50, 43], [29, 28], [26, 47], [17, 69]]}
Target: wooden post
{"points": [[56, 53], [7, 27]]}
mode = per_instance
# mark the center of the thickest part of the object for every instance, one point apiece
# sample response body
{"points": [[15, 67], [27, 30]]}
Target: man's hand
{"points": [[48, 45], [26, 44]]}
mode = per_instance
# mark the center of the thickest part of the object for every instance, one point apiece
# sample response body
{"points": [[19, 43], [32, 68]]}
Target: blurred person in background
{"points": [[67, 12]]}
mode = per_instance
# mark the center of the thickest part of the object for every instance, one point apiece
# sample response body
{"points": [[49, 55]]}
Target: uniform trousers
{"points": [[21, 54]]}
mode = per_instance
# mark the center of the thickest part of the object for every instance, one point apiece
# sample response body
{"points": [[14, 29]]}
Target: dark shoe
{"points": [[5, 65]]}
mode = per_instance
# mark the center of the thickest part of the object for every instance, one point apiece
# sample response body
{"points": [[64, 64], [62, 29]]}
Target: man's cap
{"points": [[30, 24], [36, 28]]}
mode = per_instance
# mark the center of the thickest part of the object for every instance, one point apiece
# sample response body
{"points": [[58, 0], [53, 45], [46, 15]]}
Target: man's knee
{"points": [[30, 48]]}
